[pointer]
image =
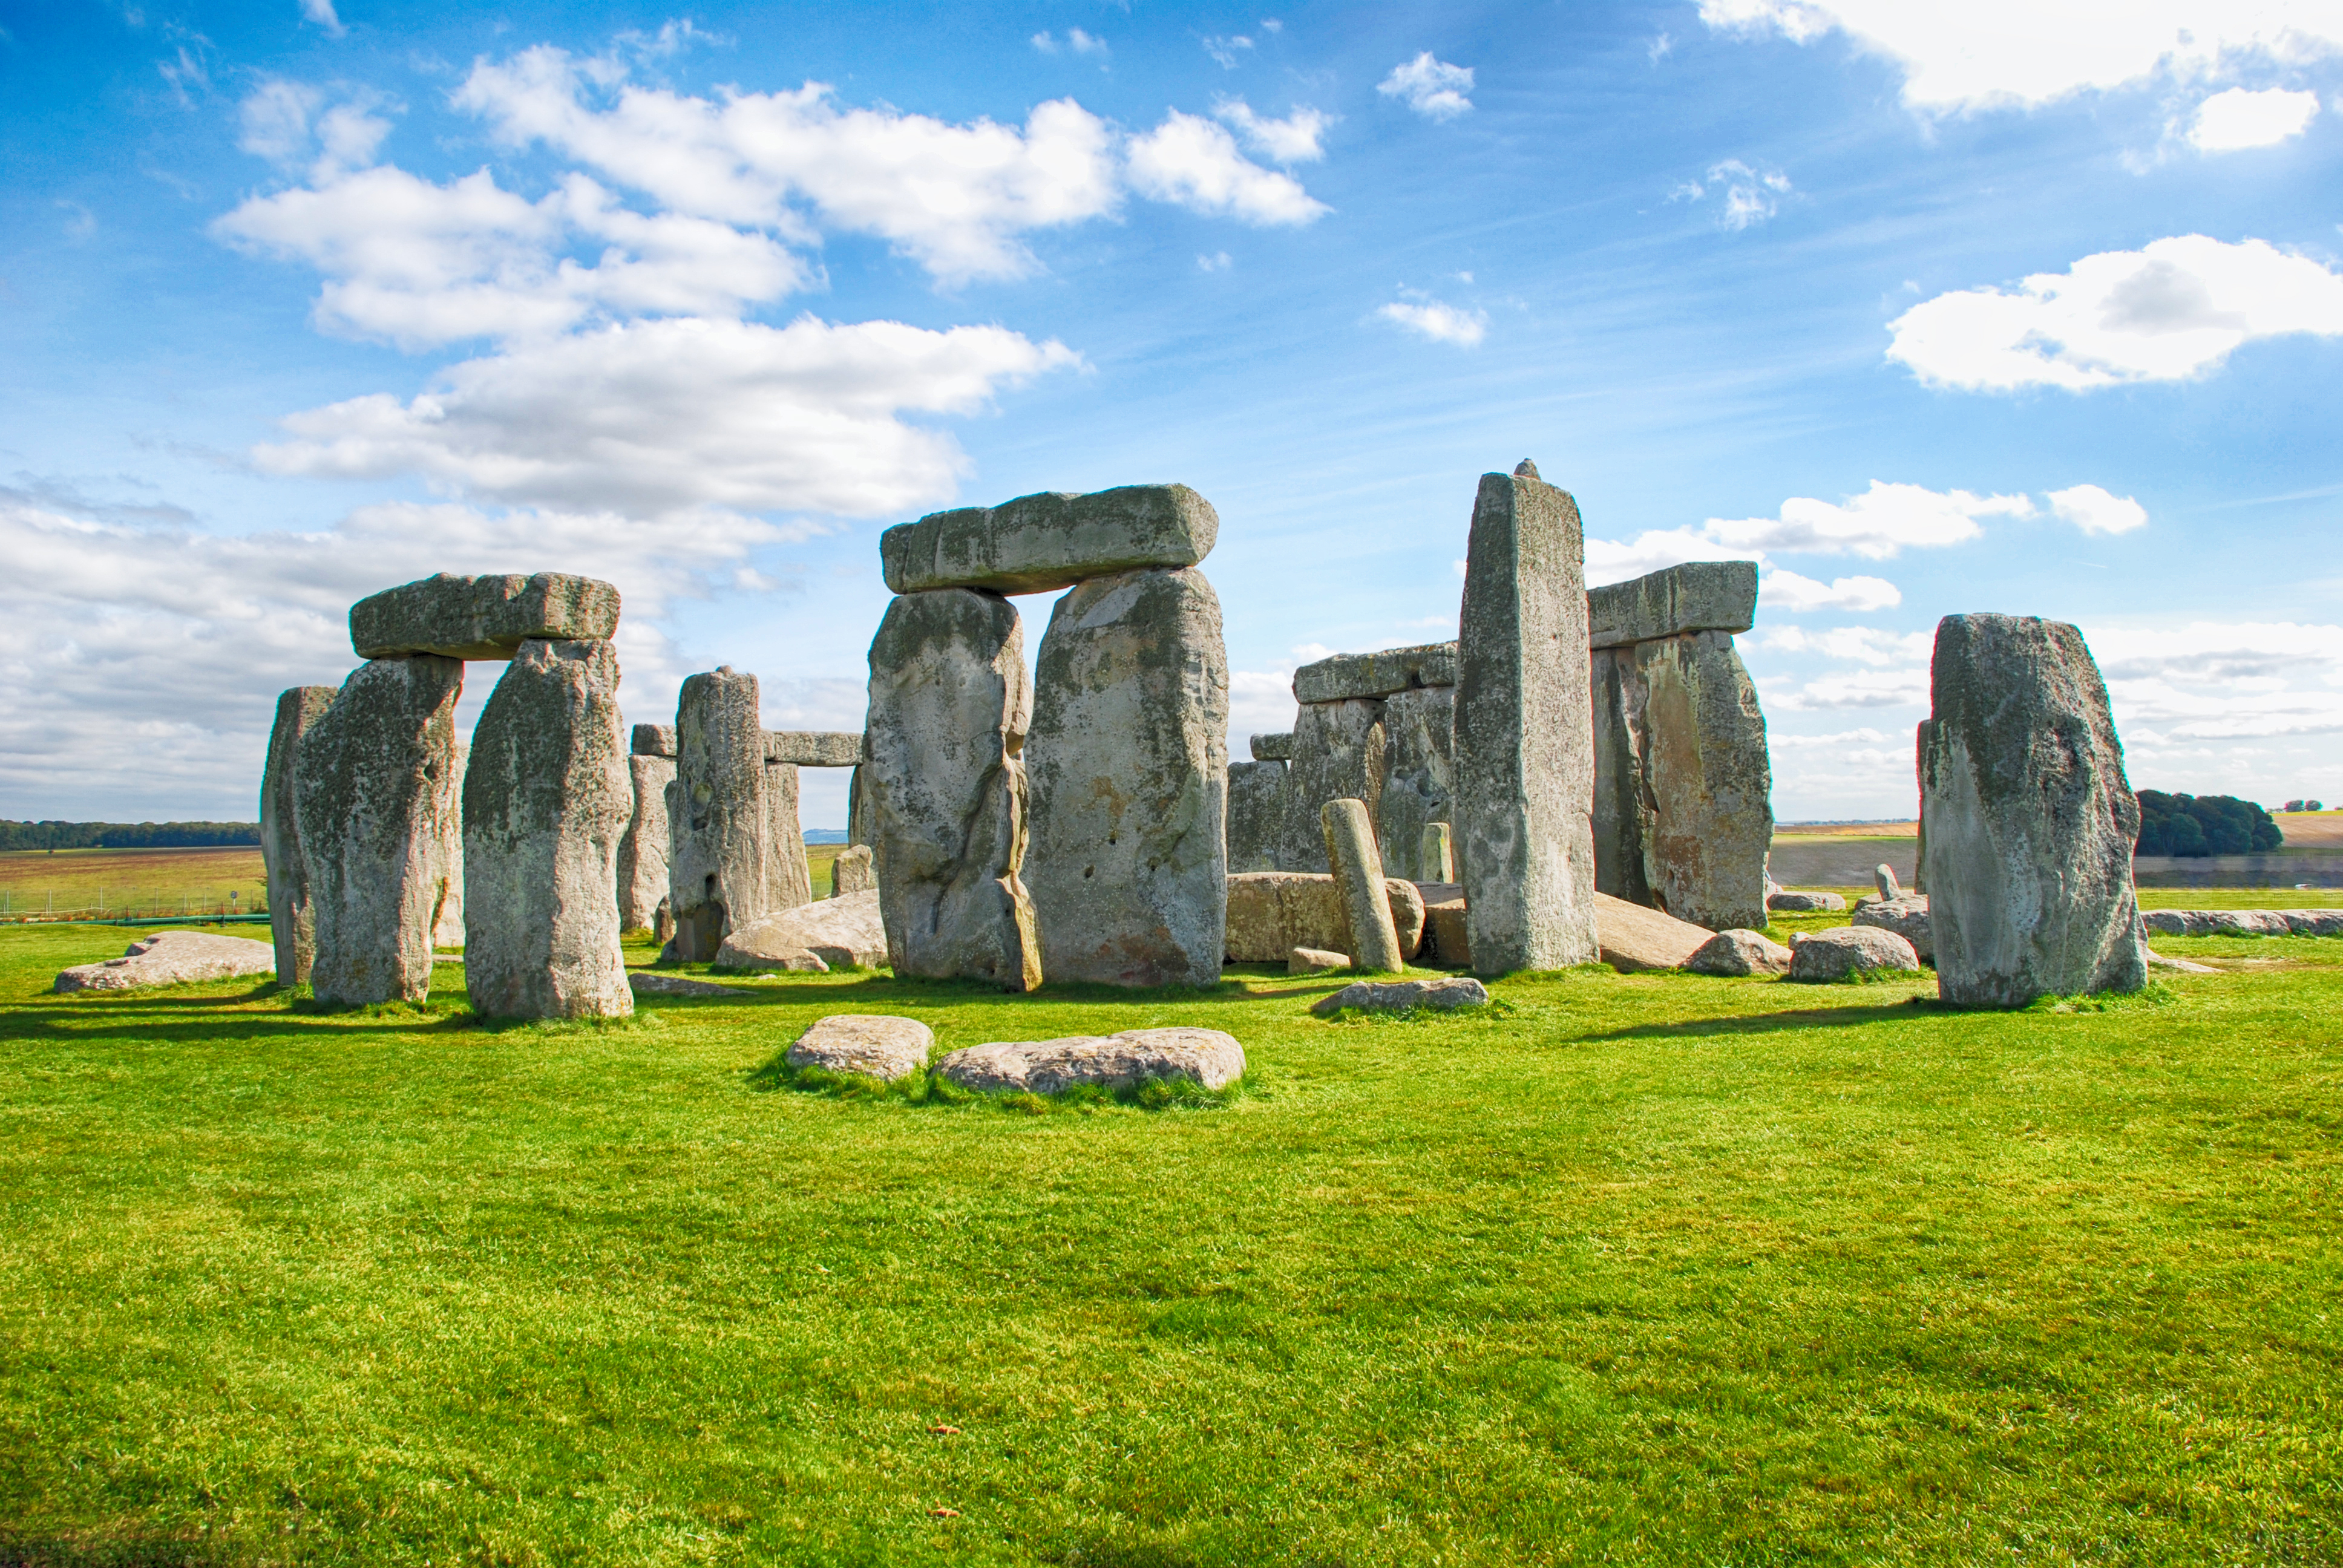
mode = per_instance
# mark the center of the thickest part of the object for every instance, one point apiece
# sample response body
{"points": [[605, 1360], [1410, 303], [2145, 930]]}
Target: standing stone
{"points": [[858, 807], [370, 781], [1256, 815], [291, 921], [851, 872], [1129, 767], [1920, 772], [1339, 752], [1436, 857], [719, 827], [1359, 874], [1419, 774], [448, 896], [1524, 746], [642, 852], [547, 798], [949, 705], [1708, 778], [2030, 820], [1622, 815], [789, 880]]}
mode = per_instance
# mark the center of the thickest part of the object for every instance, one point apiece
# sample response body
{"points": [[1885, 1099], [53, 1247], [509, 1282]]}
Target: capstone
{"points": [[485, 617], [1698, 595], [1349, 675], [654, 741], [1272, 748], [1037, 543], [814, 748]]}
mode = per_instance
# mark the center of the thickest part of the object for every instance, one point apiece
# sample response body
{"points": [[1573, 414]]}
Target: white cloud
{"points": [[1876, 525], [1292, 140], [1439, 322], [2172, 310], [1432, 88], [1864, 736], [1080, 42], [1787, 592], [321, 12], [1261, 702], [2095, 511], [1217, 261], [1190, 162], [1906, 688], [2231, 121], [1751, 195], [1858, 644], [1227, 51]]}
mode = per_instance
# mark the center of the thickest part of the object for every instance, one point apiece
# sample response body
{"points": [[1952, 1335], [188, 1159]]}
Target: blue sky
{"points": [[2026, 309]]}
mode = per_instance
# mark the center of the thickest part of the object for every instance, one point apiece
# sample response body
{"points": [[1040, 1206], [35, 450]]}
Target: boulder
{"points": [[1419, 777], [1631, 937], [2314, 922], [814, 748], [292, 923], [720, 855], [850, 873], [171, 957], [1348, 675], [1445, 939], [644, 982], [1340, 752], [2030, 821], [1790, 901], [1270, 913], [1124, 1061], [1315, 962], [1127, 767], [482, 618], [1272, 748], [1256, 815], [1698, 595], [1374, 939], [875, 1045], [1882, 878], [1907, 915], [1403, 996], [653, 740], [843, 932], [1842, 950], [642, 850], [1036, 544], [1525, 757], [1739, 954], [1435, 855]]}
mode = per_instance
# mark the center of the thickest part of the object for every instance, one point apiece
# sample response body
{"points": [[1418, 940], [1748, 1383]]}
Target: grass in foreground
{"points": [[1647, 1268]]}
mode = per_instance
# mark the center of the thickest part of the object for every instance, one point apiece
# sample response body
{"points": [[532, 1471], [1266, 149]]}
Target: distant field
{"points": [[131, 881]]}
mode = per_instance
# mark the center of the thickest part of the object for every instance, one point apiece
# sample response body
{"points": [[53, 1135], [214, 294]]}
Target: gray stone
{"points": [[1270, 913], [1524, 748], [1435, 855], [789, 880], [720, 855], [653, 740], [370, 790], [1842, 950], [843, 932], [1272, 748], [1124, 1061], [1620, 814], [1792, 902], [1447, 940], [1373, 940], [1708, 780], [172, 958], [1036, 544], [1348, 675], [482, 618], [814, 748], [1403, 996], [291, 921], [850, 873], [1315, 962], [547, 796], [1883, 876], [643, 983], [1256, 815], [1631, 937], [1739, 952], [1698, 595], [1907, 915], [857, 806], [642, 851], [2243, 923], [949, 705], [1419, 777], [1128, 766], [2030, 820], [1339, 752], [2314, 922], [874, 1045], [447, 891]]}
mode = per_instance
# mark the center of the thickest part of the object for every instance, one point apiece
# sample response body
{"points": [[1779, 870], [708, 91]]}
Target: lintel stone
{"points": [[482, 618], [1349, 675], [1037, 544], [1698, 595], [654, 741], [1273, 747], [814, 748]]}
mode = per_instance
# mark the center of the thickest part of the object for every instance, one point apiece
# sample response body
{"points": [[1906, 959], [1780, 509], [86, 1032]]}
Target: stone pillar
{"points": [[547, 799], [1256, 815], [1525, 742], [1128, 762], [789, 880], [858, 808], [642, 851], [719, 853], [291, 921], [1710, 781], [448, 898], [851, 872], [1622, 815], [2030, 821], [949, 705], [1418, 775], [1920, 772], [369, 790], [1350, 837], [1437, 856], [1339, 752]]}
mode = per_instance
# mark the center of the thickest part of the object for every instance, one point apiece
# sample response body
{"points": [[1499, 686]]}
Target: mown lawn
{"points": [[1649, 1270]]}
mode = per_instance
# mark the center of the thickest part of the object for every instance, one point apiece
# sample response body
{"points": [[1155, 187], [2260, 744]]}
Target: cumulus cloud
{"points": [[1750, 195], [1292, 140], [1432, 88], [2215, 682], [321, 12], [2095, 511], [1228, 51], [1903, 687], [2237, 119], [1857, 644], [1437, 322], [1783, 590], [1190, 162], [1877, 525]]}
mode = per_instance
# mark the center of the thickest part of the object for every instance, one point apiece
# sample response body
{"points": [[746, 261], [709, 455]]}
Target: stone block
{"points": [[654, 741], [850, 873], [642, 850], [1907, 915], [1707, 780], [789, 880], [814, 748], [1698, 595], [1036, 544], [486, 618], [1349, 675], [1739, 954], [447, 891], [1620, 814], [875, 1045], [1374, 939], [1629, 937], [1447, 942], [1403, 996], [1842, 950], [1125, 1061], [1256, 815], [292, 923], [1340, 752], [1272, 748], [1791, 902], [1315, 962], [1435, 856], [644, 982], [173, 958], [1270, 913], [844, 932], [721, 854], [1419, 779]]}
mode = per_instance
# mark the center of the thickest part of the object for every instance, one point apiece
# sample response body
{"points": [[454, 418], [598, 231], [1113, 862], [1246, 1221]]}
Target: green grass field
{"points": [[1656, 1270]]}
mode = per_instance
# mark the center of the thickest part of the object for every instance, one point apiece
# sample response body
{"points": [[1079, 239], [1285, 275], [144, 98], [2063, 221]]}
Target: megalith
{"points": [[1127, 764], [1373, 937], [547, 798], [484, 617], [718, 828], [789, 880], [1620, 813], [1340, 752], [291, 921], [642, 850], [1037, 543], [448, 878], [2030, 821], [1256, 815], [1418, 775], [370, 781]]}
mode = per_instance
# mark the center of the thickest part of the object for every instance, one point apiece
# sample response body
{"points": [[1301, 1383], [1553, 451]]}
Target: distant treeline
{"points": [[126, 835], [2191, 826]]}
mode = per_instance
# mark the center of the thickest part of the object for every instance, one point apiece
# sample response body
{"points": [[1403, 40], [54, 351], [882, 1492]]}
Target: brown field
{"points": [[131, 881], [1846, 831], [2310, 829]]}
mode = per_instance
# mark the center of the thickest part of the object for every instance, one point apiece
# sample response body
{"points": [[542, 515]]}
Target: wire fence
{"points": [[21, 906]]}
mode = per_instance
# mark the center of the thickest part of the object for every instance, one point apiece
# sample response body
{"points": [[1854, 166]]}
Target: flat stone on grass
{"points": [[876, 1045], [1907, 915], [1739, 952], [171, 957], [1124, 1061], [1786, 900], [1842, 950], [1315, 962], [840, 933], [1403, 996]]}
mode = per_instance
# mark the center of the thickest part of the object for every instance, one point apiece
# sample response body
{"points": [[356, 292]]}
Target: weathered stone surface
{"points": [[1707, 778], [1620, 814], [1052, 541], [1907, 915], [1840, 951], [482, 618], [814, 748], [843, 932], [1883, 876], [1373, 939], [653, 740], [2180, 966], [1256, 815], [1128, 769], [949, 705], [1525, 748], [291, 921], [789, 880], [1339, 752], [1791, 902], [1349, 675], [1272, 748], [642, 850], [857, 806], [370, 790], [1629, 937], [1447, 942], [875, 1045], [1435, 855], [2030, 820], [2245, 922], [547, 796], [1739, 952], [1419, 777], [1406, 902], [1272, 912], [1315, 962], [171, 957], [719, 825], [448, 893], [1124, 1061], [643, 983], [850, 873], [1698, 595], [1403, 996]]}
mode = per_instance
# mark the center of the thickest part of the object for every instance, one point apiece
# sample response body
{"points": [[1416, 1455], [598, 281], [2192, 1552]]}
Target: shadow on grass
{"points": [[1772, 1022], [121, 1552]]}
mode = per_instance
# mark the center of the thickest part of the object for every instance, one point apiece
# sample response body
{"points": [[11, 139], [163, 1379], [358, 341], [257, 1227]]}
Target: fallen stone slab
{"points": [[1739, 952], [653, 740], [2244, 922], [875, 1045], [2157, 961], [814, 748], [171, 957], [647, 983], [1315, 962], [1270, 913], [1348, 675], [1842, 950], [1698, 595], [1907, 915], [1405, 996], [1124, 1061], [1272, 748], [1036, 544], [2315, 922], [486, 618], [843, 932], [1790, 901], [1629, 937]]}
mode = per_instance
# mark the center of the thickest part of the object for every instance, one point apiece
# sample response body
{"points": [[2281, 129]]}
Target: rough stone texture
{"points": [[447, 893], [1739, 954], [547, 798], [1840, 951], [1315, 962], [1419, 777], [1128, 766], [1373, 939], [1621, 812], [1272, 748], [653, 740], [1124, 1061], [482, 618], [1883, 876], [1270, 913], [369, 788], [1339, 752], [1256, 815], [2245, 922], [851, 872], [719, 825], [643, 983], [1631, 937], [1905, 915], [1795, 903], [1524, 746], [875, 1045], [814, 748], [1037, 543], [844, 932], [2030, 820], [1920, 838], [1348, 675], [1435, 854], [789, 880], [1447, 942], [1698, 595], [642, 850], [1403, 996], [172, 958], [858, 807], [2180, 966], [949, 705], [291, 921]]}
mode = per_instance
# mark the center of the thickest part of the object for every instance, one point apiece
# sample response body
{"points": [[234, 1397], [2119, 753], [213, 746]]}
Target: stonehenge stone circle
{"points": [[851, 872], [1127, 764], [485, 617], [1343, 676], [642, 852], [547, 798], [291, 921], [1339, 753], [1036, 544], [1256, 815], [2030, 821], [719, 825], [1418, 776], [1374, 944], [1272, 748]]}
